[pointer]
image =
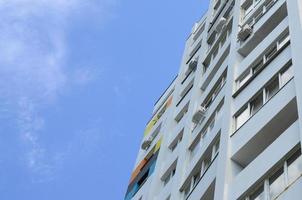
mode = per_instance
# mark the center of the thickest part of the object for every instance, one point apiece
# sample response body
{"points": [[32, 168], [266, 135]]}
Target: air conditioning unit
{"points": [[146, 144], [199, 115], [245, 32], [221, 23], [193, 65]]}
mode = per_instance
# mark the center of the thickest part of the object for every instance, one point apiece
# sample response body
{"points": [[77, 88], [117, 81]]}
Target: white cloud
{"points": [[33, 53], [85, 75], [32, 50]]}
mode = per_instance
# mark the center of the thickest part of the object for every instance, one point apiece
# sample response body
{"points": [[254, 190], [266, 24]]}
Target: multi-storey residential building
{"points": [[228, 127]]}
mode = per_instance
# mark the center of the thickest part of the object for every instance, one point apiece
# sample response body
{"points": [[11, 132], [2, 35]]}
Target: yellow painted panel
{"points": [[155, 119], [158, 144]]}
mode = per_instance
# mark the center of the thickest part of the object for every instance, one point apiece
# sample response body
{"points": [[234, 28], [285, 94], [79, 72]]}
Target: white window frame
{"points": [[265, 182], [247, 75]]}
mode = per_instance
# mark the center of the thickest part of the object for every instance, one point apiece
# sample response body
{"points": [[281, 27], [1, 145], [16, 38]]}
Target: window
{"points": [[167, 179], [187, 191], [182, 113], [287, 173], [267, 56], [211, 124], [294, 167], [196, 178], [271, 53], [248, 7], [143, 179], [224, 38], [251, 4], [195, 148], [218, 112], [277, 183], [201, 169], [258, 66], [173, 147], [286, 75], [185, 92], [283, 40], [258, 15], [242, 117], [258, 194], [173, 171], [264, 95], [215, 91], [205, 66], [208, 103], [169, 176], [215, 52], [215, 149], [272, 89], [206, 164], [246, 76], [176, 141], [256, 104]]}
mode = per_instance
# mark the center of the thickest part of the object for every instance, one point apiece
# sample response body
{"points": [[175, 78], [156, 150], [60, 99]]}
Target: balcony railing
{"points": [[257, 15]]}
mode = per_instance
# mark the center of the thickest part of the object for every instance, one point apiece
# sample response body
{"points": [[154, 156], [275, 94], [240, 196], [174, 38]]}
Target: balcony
{"points": [[203, 146], [263, 27], [177, 129], [257, 82], [187, 79], [257, 10], [187, 85], [211, 67], [182, 109], [215, 104], [293, 191], [206, 185], [264, 162], [193, 52], [212, 73], [265, 126], [171, 158], [225, 11], [219, 38], [255, 53], [210, 95]]}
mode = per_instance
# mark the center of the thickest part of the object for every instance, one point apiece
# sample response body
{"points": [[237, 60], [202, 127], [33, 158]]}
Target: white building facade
{"points": [[228, 126]]}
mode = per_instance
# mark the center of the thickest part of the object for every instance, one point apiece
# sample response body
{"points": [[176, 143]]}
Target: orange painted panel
{"points": [[138, 169]]}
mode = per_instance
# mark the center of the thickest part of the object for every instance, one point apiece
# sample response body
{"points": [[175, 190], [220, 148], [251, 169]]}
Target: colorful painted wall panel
{"points": [[145, 160], [155, 119], [141, 177], [143, 171], [138, 169]]}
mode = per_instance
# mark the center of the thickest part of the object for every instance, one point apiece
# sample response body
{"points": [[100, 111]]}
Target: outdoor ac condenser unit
{"points": [[221, 24], [193, 65], [245, 32], [146, 144], [199, 115]]}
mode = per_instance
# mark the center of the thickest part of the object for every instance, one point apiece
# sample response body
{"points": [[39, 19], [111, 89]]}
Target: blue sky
{"points": [[78, 79]]}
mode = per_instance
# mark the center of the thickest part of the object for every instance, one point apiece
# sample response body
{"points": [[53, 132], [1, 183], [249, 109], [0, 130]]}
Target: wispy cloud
{"points": [[85, 75], [33, 56]]}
